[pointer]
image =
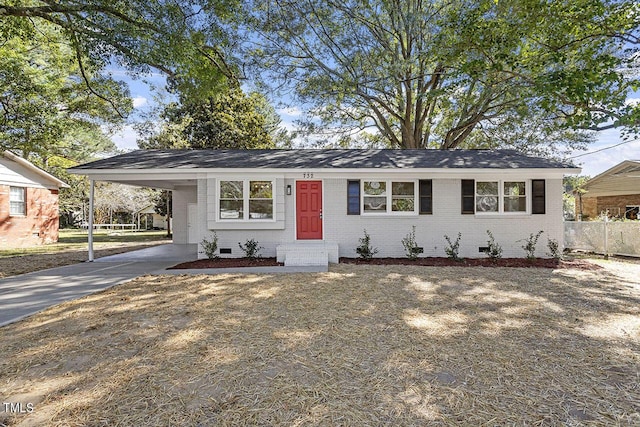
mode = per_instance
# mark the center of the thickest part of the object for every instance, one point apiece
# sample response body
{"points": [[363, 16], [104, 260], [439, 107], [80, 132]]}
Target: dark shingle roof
{"points": [[321, 159]]}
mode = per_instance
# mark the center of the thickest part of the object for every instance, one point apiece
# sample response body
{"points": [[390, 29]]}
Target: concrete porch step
{"points": [[307, 253]]}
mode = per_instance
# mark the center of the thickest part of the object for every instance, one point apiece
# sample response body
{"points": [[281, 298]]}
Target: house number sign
{"points": [[307, 175]]}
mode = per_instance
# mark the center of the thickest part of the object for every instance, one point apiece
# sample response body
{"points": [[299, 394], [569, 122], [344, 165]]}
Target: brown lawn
{"points": [[360, 345]]}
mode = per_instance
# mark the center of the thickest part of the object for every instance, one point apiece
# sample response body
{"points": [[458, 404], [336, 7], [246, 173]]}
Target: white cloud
{"points": [[290, 112], [139, 101], [632, 101], [126, 138]]}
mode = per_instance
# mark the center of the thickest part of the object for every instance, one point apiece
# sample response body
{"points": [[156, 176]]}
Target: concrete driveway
{"points": [[27, 294]]}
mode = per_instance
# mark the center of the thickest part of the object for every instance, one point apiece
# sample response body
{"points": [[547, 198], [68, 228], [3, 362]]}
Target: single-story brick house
{"points": [[615, 192], [28, 203], [299, 201]]}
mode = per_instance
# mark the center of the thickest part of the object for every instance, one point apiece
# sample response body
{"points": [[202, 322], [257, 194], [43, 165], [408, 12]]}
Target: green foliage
{"points": [[554, 249], [187, 41], [531, 131], [48, 104], [430, 74], [163, 203], [251, 249], [572, 196], [410, 245], [365, 250], [453, 248], [231, 119], [495, 250], [530, 245], [210, 246]]}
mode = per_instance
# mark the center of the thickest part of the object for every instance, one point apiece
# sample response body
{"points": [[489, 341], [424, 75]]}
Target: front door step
{"points": [[307, 254]]}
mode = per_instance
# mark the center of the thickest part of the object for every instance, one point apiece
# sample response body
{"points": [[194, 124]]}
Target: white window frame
{"points": [[23, 212], [389, 196], [246, 186], [502, 196]]}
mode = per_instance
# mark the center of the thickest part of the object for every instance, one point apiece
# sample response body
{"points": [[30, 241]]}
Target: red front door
{"points": [[309, 209]]}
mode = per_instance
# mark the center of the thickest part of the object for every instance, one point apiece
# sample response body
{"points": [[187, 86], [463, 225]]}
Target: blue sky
{"points": [[591, 164]]}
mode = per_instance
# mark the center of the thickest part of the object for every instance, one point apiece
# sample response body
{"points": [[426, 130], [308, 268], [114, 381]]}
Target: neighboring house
{"points": [[615, 192], [149, 219], [295, 202], [28, 203]]}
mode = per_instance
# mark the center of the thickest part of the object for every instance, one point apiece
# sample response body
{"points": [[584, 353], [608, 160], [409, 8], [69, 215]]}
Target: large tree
{"points": [[46, 109], [231, 119], [445, 73], [184, 39]]}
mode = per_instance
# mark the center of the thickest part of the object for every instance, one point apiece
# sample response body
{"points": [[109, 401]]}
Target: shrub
{"points": [[410, 245], [495, 250], [365, 251], [251, 249], [210, 246], [530, 245], [554, 249], [452, 250]]}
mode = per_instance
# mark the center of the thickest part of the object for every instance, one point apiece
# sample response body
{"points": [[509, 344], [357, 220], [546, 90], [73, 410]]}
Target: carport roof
{"points": [[322, 159]]}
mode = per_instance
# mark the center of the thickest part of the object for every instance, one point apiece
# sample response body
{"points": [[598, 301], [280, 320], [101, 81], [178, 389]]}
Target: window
{"points": [[515, 198], [403, 196], [501, 196], [231, 200], [246, 200], [374, 196], [400, 200], [389, 197], [17, 201], [487, 197], [260, 200]]}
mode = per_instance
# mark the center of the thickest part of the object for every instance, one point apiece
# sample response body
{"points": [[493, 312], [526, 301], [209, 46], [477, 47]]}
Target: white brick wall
{"points": [[387, 232]]}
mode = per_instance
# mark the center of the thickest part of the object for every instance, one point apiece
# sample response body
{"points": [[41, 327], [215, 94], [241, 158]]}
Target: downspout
{"points": [[90, 225]]}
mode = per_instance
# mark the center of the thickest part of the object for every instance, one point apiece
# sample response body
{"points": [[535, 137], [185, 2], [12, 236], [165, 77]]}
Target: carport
{"points": [[181, 181]]}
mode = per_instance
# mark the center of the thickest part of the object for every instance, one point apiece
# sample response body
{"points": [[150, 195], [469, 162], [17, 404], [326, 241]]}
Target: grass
{"points": [[71, 239], [72, 248], [359, 345]]}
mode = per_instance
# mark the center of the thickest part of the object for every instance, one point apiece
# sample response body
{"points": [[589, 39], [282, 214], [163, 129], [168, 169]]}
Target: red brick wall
{"points": [[592, 206], [39, 226]]}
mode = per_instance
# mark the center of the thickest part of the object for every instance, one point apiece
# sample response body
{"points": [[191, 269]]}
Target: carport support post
{"points": [[90, 224]]}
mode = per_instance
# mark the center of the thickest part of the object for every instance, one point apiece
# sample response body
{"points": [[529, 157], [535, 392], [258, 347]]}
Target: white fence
{"points": [[604, 237]]}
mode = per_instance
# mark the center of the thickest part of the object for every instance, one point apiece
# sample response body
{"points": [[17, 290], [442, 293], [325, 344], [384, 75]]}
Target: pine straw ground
{"points": [[359, 345]]}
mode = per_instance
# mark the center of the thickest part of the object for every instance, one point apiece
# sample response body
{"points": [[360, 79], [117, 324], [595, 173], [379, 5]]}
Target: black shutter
{"points": [[353, 197], [468, 196], [426, 201], [538, 201]]}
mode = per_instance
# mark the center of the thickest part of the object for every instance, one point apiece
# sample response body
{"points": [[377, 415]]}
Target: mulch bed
{"points": [[227, 263], [427, 261], [477, 262]]}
